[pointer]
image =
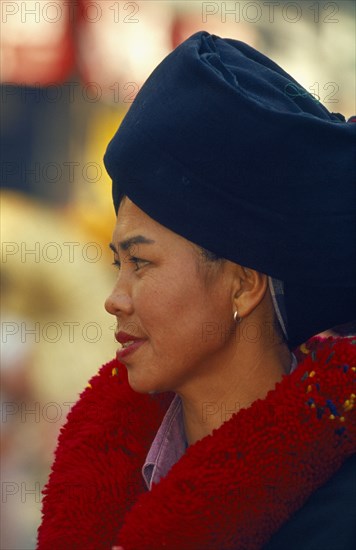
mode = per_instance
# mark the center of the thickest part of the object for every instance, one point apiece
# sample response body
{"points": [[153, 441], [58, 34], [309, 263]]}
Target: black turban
{"points": [[226, 149]]}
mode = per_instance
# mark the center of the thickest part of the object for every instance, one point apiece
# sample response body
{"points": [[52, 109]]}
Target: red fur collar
{"points": [[233, 488]]}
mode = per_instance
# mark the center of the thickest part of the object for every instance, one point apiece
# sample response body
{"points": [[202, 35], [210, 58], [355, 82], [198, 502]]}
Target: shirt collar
{"points": [[168, 445]]}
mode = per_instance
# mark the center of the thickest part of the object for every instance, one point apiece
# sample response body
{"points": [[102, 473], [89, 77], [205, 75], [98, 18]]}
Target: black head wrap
{"points": [[226, 149]]}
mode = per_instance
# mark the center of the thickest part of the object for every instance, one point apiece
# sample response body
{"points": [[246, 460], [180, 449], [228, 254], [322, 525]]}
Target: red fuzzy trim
{"points": [[234, 488]]}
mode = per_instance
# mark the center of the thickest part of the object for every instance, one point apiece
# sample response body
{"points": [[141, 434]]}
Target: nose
{"points": [[119, 301]]}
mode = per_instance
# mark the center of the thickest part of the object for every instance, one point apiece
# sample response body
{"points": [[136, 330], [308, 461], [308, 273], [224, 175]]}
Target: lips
{"points": [[129, 343], [125, 337], [129, 348]]}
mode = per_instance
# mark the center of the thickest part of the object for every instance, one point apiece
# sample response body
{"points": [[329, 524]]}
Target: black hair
{"points": [[208, 256]]}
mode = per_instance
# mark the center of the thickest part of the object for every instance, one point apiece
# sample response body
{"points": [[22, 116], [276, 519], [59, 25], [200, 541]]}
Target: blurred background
{"points": [[69, 71]]}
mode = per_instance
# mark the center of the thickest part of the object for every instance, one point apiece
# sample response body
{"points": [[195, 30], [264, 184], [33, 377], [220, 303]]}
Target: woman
{"points": [[226, 420]]}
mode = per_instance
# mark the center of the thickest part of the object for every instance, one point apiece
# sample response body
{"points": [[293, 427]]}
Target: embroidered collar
{"points": [[170, 442], [234, 488]]}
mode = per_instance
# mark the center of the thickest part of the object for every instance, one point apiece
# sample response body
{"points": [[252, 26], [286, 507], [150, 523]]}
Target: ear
{"points": [[250, 290]]}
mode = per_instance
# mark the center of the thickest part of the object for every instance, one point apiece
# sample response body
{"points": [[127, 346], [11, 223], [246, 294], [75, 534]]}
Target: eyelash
{"points": [[132, 259]]}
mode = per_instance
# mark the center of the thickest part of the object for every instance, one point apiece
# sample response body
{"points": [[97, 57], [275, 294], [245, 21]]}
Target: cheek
{"points": [[181, 318]]}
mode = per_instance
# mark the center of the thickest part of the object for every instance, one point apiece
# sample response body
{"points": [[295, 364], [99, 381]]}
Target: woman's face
{"points": [[184, 314]]}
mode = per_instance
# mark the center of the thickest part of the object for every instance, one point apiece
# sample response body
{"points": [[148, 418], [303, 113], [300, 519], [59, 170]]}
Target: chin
{"points": [[143, 386], [140, 385]]}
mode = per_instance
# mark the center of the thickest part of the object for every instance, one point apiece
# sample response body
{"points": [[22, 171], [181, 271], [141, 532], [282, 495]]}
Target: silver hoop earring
{"points": [[236, 318]]}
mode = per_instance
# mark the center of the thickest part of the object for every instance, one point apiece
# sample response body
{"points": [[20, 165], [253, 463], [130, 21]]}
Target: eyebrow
{"points": [[126, 244]]}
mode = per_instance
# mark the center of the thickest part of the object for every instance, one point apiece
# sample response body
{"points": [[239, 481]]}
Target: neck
{"points": [[236, 386]]}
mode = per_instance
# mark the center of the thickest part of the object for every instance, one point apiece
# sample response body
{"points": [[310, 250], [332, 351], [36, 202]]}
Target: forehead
{"points": [[129, 212], [131, 221]]}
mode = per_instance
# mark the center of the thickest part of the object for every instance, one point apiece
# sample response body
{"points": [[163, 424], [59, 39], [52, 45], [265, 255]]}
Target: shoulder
{"points": [[327, 520]]}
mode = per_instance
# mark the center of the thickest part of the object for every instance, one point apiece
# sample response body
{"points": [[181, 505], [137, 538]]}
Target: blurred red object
{"points": [[37, 46], [113, 46]]}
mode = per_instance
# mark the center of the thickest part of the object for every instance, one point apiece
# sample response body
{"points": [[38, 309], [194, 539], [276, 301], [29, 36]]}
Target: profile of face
{"points": [[184, 314]]}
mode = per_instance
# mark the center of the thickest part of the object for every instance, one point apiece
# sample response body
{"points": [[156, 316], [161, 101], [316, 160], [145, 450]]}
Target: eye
{"points": [[116, 263], [131, 259]]}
